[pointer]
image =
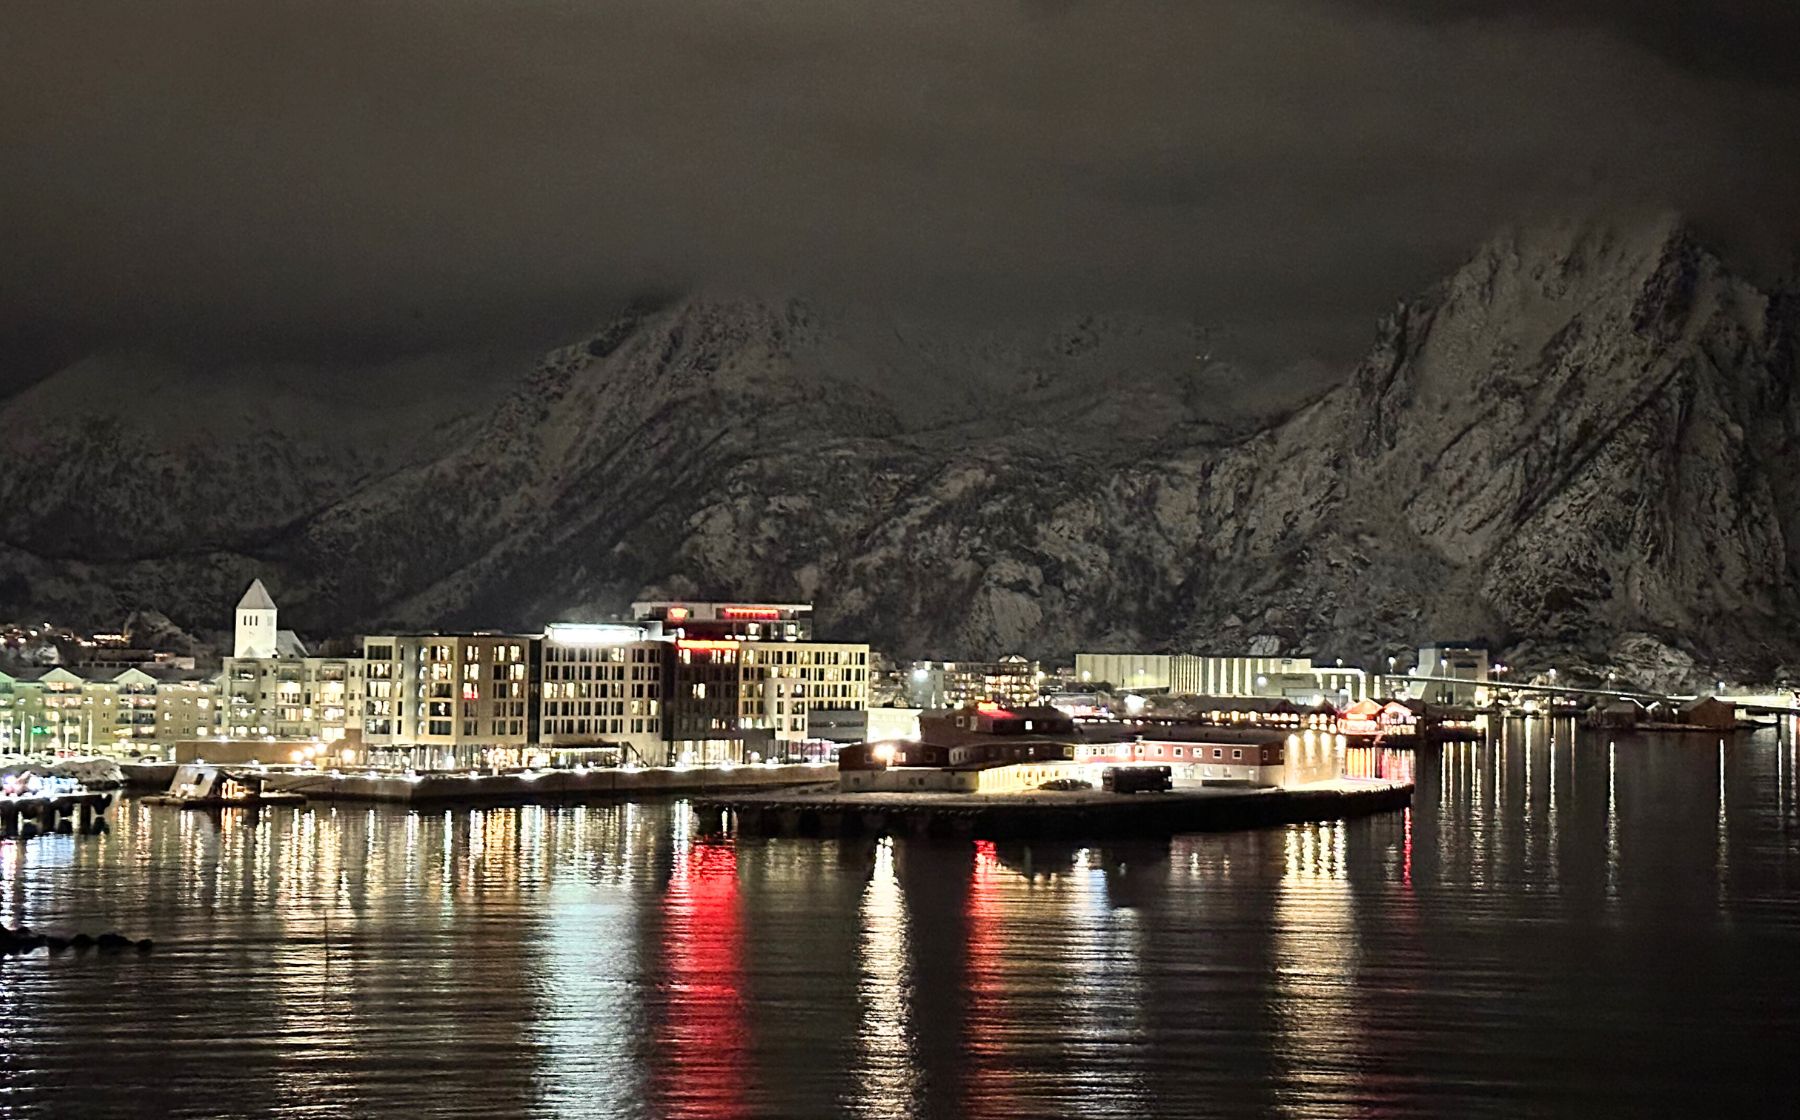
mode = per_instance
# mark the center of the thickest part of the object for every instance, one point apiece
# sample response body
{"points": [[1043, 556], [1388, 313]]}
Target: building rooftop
{"points": [[256, 598]]}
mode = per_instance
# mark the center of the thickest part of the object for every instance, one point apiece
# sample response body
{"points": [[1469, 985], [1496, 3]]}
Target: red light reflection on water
{"points": [[988, 1073], [703, 1043]]}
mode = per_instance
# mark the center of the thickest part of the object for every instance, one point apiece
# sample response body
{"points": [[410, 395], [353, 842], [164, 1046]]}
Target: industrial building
{"points": [[1465, 664]]}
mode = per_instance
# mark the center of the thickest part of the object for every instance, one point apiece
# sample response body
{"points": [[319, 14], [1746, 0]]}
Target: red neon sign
{"points": [[759, 613], [705, 645]]}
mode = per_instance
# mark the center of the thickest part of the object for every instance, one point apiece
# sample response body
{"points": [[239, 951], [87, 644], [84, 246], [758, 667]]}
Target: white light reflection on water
{"points": [[1105, 952], [1612, 821], [1722, 862], [1315, 967], [887, 1064], [585, 981]]}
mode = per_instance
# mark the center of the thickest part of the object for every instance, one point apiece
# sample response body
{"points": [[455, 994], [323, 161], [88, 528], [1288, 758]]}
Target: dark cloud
{"points": [[408, 170], [1745, 40]]}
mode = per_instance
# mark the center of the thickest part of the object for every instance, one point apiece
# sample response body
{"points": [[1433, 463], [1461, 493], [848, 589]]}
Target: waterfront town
{"points": [[750, 688]]}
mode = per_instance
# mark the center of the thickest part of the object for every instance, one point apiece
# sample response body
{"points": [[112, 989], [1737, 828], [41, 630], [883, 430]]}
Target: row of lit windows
{"points": [[599, 708], [495, 727], [602, 672], [602, 726], [806, 657], [599, 690], [636, 654]]}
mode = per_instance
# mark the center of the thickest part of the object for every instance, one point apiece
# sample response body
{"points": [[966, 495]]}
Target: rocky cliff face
{"points": [[1580, 440]]}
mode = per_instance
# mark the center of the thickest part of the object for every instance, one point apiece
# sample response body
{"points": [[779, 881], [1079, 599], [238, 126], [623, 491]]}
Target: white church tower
{"points": [[256, 636]]}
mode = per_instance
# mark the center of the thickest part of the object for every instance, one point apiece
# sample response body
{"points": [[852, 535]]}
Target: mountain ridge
{"points": [[1572, 442]]}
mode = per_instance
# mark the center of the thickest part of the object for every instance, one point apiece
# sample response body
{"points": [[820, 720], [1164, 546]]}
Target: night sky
{"points": [[228, 176]]}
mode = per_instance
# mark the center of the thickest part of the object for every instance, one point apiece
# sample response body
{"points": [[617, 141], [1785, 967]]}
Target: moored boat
{"points": [[216, 787]]}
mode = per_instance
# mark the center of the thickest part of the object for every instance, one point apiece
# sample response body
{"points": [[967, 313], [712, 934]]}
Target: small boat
{"points": [[215, 787]]}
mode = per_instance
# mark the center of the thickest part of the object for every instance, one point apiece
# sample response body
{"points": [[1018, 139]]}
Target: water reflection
{"points": [[886, 1060], [1556, 920], [703, 1039]]}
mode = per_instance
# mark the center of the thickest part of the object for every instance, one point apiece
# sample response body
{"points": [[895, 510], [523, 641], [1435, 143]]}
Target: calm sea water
{"points": [[1563, 924]]}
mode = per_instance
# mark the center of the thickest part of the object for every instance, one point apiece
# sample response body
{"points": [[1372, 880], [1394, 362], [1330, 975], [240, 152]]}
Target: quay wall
{"points": [[547, 787], [1077, 816]]}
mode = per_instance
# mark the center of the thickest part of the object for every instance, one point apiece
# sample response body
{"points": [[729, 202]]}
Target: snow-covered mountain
{"points": [[1581, 439]]}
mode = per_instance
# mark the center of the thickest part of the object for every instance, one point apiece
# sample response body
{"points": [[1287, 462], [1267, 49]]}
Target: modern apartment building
{"points": [[955, 684], [741, 678], [50, 709], [601, 688], [46, 709], [187, 704], [449, 700]]}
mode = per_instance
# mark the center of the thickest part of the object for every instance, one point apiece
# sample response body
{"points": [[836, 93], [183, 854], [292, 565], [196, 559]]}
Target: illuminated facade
{"points": [[450, 699], [272, 687], [1466, 666], [1186, 674], [121, 710], [736, 701], [1127, 671], [292, 697], [187, 704], [951, 684], [741, 678], [780, 682], [46, 708], [602, 691]]}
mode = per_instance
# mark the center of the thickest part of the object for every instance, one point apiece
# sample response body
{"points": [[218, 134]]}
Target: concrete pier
{"points": [[828, 812], [548, 787], [42, 814]]}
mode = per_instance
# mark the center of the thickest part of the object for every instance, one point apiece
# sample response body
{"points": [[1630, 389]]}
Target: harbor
{"points": [[755, 968]]}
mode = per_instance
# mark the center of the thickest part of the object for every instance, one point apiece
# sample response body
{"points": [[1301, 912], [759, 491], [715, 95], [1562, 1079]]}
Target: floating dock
{"points": [[542, 787], [1067, 815]]}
